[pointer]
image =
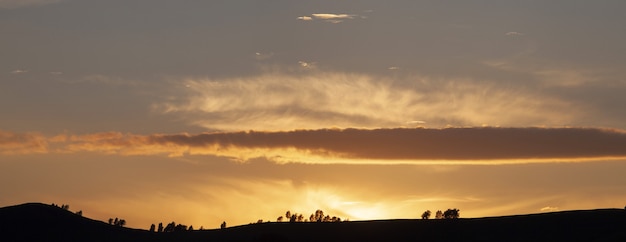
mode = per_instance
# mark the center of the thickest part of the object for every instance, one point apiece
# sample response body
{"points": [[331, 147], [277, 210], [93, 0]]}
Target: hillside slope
{"points": [[40, 222]]}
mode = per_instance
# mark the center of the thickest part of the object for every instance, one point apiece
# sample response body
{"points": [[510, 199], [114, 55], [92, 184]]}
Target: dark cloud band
{"points": [[425, 144]]}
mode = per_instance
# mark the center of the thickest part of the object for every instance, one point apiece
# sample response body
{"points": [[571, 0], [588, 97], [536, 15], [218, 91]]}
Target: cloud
{"points": [[316, 99], [332, 16], [18, 71], [307, 65], [11, 4], [328, 17], [305, 18], [378, 146], [513, 34], [22, 143], [549, 209], [263, 56]]}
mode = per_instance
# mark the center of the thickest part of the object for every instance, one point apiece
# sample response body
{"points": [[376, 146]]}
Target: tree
{"points": [[279, 219], [319, 215], [80, 213], [451, 214], [160, 227], [439, 214], [152, 228], [223, 225], [288, 214], [170, 227], [426, 214], [180, 227], [190, 227], [122, 223], [110, 221]]}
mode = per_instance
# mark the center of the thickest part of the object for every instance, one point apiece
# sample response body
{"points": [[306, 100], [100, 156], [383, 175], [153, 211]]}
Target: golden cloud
{"points": [[317, 99], [17, 143]]}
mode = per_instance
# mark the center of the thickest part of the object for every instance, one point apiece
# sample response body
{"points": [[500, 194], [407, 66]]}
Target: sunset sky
{"points": [[200, 112]]}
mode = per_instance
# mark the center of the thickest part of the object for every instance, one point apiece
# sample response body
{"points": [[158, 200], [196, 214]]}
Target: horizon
{"points": [[189, 226], [366, 110]]}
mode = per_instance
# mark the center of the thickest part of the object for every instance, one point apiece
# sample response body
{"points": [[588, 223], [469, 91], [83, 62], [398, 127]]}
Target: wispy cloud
{"points": [[22, 143], [307, 64], [333, 16], [513, 34], [549, 209], [305, 18], [328, 17], [263, 56], [317, 99], [18, 71], [383, 146]]}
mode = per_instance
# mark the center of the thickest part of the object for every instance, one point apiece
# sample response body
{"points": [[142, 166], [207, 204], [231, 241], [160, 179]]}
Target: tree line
{"points": [[451, 213]]}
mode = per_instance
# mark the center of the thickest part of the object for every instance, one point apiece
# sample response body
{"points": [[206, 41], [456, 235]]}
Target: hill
{"points": [[40, 222]]}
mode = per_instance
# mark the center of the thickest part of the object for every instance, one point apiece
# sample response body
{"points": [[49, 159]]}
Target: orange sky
{"points": [[209, 111]]}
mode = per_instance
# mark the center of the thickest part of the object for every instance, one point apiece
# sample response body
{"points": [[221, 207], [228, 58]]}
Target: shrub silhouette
{"points": [[117, 222], [451, 214], [426, 214], [439, 214]]}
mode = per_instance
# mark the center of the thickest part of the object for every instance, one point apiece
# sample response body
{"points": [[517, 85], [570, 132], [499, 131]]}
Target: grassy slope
{"points": [[39, 222]]}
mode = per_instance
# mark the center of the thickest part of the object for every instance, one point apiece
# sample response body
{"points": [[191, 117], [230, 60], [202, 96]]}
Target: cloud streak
{"points": [[22, 143], [328, 17], [382, 146], [318, 99]]}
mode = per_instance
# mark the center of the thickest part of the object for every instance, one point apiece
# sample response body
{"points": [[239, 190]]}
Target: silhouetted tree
{"points": [[288, 214], [439, 214], [65, 206], [426, 214], [223, 225], [451, 214], [279, 219], [160, 227], [319, 215], [190, 228], [80, 213], [170, 227], [117, 222], [152, 228], [180, 227]]}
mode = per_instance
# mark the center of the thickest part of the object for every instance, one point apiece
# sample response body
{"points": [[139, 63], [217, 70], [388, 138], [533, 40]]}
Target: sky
{"points": [[200, 112]]}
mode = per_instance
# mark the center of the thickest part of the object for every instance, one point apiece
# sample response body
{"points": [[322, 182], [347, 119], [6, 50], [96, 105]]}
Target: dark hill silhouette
{"points": [[40, 222]]}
